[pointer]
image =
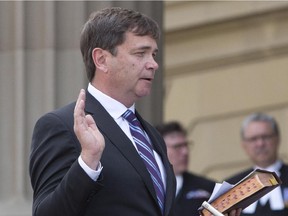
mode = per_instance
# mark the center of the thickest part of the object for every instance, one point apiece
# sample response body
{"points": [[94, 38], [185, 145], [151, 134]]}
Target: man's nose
{"points": [[152, 64]]}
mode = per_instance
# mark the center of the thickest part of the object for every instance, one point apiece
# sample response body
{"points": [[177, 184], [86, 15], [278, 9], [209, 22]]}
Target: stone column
{"points": [[41, 69]]}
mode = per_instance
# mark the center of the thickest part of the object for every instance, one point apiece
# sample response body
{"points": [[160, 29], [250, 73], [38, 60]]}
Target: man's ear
{"points": [[99, 57]]}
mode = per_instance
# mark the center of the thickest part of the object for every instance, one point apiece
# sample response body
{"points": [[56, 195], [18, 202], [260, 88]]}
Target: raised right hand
{"points": [[86, 130]]}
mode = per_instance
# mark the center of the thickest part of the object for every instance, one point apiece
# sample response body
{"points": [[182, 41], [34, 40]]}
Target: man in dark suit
{"points": [[78, 168], [192, 190], [261, 139], [97, 170]]}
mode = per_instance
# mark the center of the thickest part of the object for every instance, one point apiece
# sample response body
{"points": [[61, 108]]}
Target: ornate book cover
{"points": [[245, 192]]}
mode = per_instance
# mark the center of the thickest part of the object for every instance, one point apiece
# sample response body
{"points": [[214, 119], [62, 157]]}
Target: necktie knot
{"points": [[132, 119], [129, 116]]}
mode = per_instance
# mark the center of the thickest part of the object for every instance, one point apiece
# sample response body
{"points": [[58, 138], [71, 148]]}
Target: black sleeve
{"points": [[61, 187]]}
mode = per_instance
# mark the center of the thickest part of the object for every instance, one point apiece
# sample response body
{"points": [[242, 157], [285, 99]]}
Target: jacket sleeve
{"points": [[60, 185]]}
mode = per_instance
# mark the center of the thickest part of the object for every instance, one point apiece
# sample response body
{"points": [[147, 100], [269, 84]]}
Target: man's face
{"points": [[261, 143], [178, 151], [133, 67]]}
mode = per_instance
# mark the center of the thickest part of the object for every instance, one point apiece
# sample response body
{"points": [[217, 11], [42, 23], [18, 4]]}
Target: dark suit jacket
{"points": [[62, 188], [284, 188], [194, 192]]}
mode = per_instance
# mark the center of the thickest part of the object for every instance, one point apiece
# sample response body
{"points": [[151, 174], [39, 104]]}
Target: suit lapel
{"points": [[284, 172], [112, 132]]}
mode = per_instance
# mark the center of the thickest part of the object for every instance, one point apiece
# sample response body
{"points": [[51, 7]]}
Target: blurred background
{"points": [[219, 61]]}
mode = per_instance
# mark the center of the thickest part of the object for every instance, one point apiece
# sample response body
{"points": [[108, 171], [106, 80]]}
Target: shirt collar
{"points": [[179, 183], [272, 168], [113, 107]]}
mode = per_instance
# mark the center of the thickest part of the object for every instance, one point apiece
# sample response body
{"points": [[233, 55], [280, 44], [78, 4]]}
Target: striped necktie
{"points": [[145, 150]]}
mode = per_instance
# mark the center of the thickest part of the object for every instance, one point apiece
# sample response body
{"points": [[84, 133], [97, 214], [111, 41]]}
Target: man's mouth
{"points": [[147, 79]]}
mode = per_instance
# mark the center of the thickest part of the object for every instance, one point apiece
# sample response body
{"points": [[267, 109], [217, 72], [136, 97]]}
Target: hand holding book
{"points": [[251, 188]]}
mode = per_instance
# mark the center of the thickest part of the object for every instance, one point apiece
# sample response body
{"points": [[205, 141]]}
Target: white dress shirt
{"points": [[116, 109], [179, 183]]}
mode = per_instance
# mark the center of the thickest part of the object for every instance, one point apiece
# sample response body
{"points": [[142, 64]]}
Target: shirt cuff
{"points": [[93, 174]]}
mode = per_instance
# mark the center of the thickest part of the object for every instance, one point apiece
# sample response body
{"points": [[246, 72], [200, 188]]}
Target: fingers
{"points": [[235, 212], [238, 212], [90, 138], [80, 117], [79, 113], [91, 123], [232, 213], [79, 107]]}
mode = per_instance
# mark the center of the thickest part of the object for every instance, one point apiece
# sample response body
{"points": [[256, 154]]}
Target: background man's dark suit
{"points": [[125, 187], [194, 192], [265, 210]]}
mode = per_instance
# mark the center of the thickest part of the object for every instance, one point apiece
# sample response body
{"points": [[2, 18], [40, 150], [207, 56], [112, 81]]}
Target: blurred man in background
{"points": [[191, 189], [260, 140]]}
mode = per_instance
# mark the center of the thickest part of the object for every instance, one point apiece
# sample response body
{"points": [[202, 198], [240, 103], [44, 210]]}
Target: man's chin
{"points": [[143, 93]]}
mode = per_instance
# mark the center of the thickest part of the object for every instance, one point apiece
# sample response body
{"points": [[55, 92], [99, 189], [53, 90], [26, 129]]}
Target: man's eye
{"points": [[140, 54]]}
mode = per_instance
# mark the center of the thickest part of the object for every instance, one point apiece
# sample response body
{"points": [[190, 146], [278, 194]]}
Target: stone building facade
{"points": [[219, 61]]}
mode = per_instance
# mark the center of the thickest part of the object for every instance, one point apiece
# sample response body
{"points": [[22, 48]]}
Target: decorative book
{"points": [[245, 192]]}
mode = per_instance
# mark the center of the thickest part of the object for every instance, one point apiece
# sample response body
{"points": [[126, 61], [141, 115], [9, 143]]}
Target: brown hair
{"points": [[106, 29]]}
